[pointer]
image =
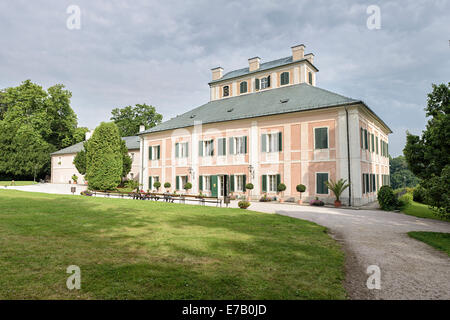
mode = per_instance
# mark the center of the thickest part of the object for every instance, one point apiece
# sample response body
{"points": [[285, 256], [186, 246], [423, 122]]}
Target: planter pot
{"points": [[281, 200], [299, 201], [337, 204]]}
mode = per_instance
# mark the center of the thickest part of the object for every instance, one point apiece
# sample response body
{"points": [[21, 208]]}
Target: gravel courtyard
{"points": [[410, 269]]}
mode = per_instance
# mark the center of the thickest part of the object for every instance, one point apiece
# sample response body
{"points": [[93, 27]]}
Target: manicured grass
{"points": [[132, 249], [17, 183], [438, 240], [420, 210]]}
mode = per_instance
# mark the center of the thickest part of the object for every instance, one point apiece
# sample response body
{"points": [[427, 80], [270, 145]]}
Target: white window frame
{"points": [[239, 183], [239, 141], [272, 142], [265, 81], [206, 183], [269, 183], [208, 148], [154, 152], [183, 149]]}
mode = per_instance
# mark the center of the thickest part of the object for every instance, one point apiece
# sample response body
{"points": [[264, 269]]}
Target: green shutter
{"points": [[376, 144], [244, 182], [365, 139], [150, 183], [159, 152], [200, 148], [257, 84], [212, 147], [362, 138], [321, 138], [231, 145], [387, 149], [321, 188], [264, 183], [231, 183], [224, 146], [150, 156], [245, 144], [177, 151], [373, 143], [177, 178], [280, 141], [268, 81], [200, 183], [310, 78], [278, 181], [263, 143]]}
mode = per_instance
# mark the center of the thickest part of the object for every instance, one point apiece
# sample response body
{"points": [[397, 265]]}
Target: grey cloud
{"points": [[161, 52]]}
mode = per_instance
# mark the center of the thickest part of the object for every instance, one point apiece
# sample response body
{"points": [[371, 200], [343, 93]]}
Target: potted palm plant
{"points": [[300, 188], [337, 187]]}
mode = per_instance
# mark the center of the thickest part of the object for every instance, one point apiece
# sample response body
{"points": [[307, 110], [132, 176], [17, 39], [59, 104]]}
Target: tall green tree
{"points": [[400, 175], [428, 156], [104, 157], [129, 119], [47, 116]]}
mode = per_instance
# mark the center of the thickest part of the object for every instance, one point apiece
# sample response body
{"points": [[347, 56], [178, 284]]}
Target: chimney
{"points": [[310, 57], [253, 64], [141, 128], [298, 52], [217, 73]]}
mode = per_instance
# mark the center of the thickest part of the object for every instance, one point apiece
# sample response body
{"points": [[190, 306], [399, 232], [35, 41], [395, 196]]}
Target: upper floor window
{"points": [[284, 78], [310, 78], [206, 148], [226, 91], [271, 142], [238, 145], [154, 152], [243, 87], [321, 138], [262, 83], [181, 150]]}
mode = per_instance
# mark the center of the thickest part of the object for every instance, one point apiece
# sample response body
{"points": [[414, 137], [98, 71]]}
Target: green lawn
{"points": [[440, 241], [420, 210], [16, 183], [132, 249]]}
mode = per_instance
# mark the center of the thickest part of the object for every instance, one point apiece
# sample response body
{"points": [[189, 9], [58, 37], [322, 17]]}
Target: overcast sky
{"points": [[161, 52]]}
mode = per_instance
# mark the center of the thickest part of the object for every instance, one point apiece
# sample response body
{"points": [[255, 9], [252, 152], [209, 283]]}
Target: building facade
{"points": [[269, 124], [63, 168]]}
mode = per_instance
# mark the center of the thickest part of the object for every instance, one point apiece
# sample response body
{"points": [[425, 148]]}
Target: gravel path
{"points": [[410, 269]]}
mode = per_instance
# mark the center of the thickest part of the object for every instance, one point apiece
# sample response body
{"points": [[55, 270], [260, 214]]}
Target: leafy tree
{"points": [[126, 159], [80, 160], [428, 156], [46, 114], [104, 158], [401, 176], [129, 119]]}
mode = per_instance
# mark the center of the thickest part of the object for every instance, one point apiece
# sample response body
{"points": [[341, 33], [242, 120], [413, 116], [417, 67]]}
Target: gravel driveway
{"points": [[410, 269]]}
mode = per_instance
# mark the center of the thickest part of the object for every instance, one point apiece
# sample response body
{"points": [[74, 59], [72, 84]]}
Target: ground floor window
{"points": [[270, 182], [180, 182], [240, 183], [151, 181], [385, 180], [321, 187], [204, 183], [369, 183]]}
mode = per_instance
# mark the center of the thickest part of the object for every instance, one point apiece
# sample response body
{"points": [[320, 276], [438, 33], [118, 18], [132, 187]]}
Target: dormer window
{"points": [[243, 87], [310, 77], [226, 91], [284, 78]]}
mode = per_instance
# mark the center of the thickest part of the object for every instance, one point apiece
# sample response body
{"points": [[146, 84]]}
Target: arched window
{"points": [[284, 78], [226, 91], [243, 87]]}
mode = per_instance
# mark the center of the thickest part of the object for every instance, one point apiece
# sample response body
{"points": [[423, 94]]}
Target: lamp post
{"points": [[251, 170]]}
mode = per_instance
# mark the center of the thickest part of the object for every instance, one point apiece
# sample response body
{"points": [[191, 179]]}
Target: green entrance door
{"points": [[214, 186]]}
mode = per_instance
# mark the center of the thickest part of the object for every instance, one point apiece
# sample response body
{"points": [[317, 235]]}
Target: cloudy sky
{"points": [[161, 52]]}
